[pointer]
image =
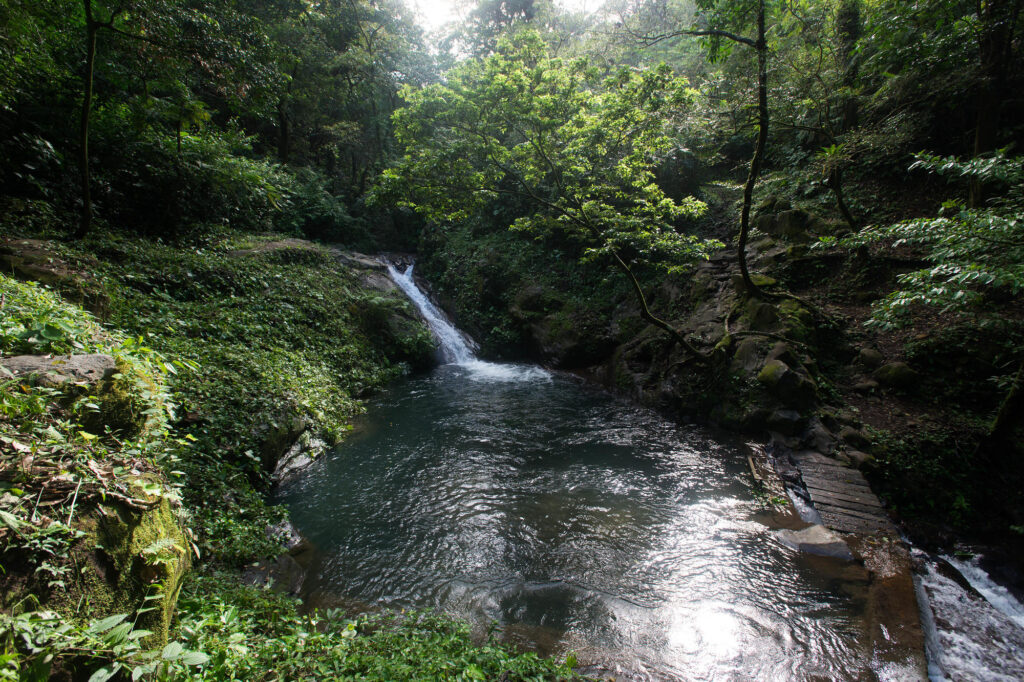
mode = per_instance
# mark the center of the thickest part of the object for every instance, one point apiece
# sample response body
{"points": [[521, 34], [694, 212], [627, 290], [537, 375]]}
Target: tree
{"points": [[976, 267], [577, 150], [717, 21], [223, 44]]}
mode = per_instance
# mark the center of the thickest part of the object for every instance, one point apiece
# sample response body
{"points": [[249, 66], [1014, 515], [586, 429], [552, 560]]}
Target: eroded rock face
{"points": [[57, 371]]}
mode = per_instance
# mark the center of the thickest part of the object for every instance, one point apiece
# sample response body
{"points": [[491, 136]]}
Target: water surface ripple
{"points": [[576, 521]]}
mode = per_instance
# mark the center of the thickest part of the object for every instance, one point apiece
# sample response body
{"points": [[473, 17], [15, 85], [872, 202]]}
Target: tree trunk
{"points": [[91, 29], [646, 313], [848, 28], [755, 162], [835, 182], [284, 141], [995, 47]]}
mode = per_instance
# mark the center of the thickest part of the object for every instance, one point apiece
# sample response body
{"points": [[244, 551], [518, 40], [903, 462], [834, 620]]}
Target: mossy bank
{"points": [[215, 368]]}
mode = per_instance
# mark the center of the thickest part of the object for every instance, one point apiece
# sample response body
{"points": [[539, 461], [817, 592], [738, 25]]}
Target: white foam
{"points": [[997, 595], [491, 371], [967, 638], [456, 346]]}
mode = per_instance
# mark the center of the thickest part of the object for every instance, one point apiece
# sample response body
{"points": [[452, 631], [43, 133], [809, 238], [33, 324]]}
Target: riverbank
{"points": [[225, 362]]}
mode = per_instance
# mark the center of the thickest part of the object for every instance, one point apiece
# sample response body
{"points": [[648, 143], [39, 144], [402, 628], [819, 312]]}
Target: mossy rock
{"points": [[772, 372], [792, 224], [759, 315], [128, 560], [762, 280], [896, 375], [797, 320], [129, 401], [788, 385]]}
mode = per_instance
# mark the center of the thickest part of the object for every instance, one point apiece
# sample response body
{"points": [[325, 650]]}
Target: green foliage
{"points": [[575, 149], [37, 320], [37, 643], [247, 631], [162, 185], [280, 334], [928, 476], [976, 254]]}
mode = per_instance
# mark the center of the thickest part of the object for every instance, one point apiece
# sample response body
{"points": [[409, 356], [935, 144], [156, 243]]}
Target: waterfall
{"points": [[453, 343], [456, 347]]}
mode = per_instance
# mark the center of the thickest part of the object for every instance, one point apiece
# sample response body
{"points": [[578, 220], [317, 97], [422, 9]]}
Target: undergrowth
{"points": [[224, 349]]}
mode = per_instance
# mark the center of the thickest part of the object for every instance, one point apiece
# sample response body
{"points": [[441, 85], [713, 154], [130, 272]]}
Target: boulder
{"points": [[860, 460], [820, 438], [300, 455], [848, 419], [896, 375], [792, 224], [746, 359], [817, 540], [279, 439], [788, 385], [124, 409], [761, 316], [782, 351], [869, 357], [866, 386], [852, 436], [57, 371]]}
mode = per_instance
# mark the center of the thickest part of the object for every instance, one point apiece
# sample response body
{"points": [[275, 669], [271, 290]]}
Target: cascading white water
{"points": [[968, 636], [455, 347], [453, 343]]}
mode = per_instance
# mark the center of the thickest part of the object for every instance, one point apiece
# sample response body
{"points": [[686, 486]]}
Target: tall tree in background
{"points": [[718, 21], [576, 150], [997, 28], [162, 42]]}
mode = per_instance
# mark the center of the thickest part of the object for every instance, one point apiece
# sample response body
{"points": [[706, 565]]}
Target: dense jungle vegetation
{"points": [[793, 216]]}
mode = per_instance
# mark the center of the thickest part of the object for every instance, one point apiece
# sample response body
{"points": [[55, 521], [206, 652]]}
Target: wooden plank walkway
{"points": [[841, 495]]}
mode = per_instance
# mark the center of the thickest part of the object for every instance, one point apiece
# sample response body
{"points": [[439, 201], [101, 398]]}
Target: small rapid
{"points": [[974, 627]]}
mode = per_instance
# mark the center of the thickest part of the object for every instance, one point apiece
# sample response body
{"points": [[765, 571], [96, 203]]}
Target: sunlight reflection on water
{"points": [[575, 521]]}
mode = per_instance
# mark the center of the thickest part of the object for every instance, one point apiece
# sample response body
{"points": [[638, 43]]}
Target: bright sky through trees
{"points": [[435, 13]]}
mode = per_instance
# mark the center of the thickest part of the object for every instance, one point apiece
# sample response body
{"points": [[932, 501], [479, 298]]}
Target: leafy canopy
{"points": [[574, 148]]}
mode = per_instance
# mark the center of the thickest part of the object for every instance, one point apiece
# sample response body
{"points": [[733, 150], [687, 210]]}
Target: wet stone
{"points": [[816, 540]]}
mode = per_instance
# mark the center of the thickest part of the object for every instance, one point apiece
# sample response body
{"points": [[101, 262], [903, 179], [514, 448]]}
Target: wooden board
{"points": [[841, 495]]}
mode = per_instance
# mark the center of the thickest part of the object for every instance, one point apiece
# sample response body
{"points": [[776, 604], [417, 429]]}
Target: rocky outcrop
{"points": [[61, 370], [791, 387], [116, 387], [42, 261]]}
